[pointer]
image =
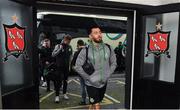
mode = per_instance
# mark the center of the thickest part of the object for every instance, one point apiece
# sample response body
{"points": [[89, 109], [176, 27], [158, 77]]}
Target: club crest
{"points": [[158, 42], [15, 40]]}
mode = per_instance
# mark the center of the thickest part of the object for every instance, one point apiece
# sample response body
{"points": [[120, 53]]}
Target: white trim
{"points": [[147, 2], [113, 99], [46, 96], [132, 67], [121, 82], [83, 6], [40, 14]]}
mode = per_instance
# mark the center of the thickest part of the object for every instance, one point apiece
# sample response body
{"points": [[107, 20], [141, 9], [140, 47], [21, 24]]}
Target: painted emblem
{"points": [[15, 40], [158, 42]]}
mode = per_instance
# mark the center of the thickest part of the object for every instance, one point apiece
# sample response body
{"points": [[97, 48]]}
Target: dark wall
{"points": [[150, 93], [17, 73]]}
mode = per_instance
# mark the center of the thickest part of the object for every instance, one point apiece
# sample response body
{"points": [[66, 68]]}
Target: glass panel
{"points": [[161, 67], [16, 73]]}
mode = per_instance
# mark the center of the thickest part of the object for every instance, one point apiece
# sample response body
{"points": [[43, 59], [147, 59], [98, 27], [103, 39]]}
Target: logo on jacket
{"points": [[14, 40], [91, 100], [158, 42]]}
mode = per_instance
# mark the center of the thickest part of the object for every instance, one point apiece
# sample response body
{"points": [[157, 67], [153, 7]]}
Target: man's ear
{"points": [[90, 36]]}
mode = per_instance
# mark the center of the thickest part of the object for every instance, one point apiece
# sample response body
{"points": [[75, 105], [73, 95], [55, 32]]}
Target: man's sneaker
{"points": [[56, 99], [44, 84], [66, 97], [42, 78]]}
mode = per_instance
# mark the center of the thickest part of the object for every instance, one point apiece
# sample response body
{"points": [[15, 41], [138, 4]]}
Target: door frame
{"points": [[0, 95], [33, 89], [63, 7], [139, 44]]}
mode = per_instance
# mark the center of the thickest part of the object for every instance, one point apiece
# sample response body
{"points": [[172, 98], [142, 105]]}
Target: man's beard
{"points": [[97, 41]]}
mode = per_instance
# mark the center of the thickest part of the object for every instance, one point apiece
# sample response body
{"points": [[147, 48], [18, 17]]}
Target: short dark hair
{"points": [[80, 42], [91, 27], [120, 42], [46, 39], [67, 37]]}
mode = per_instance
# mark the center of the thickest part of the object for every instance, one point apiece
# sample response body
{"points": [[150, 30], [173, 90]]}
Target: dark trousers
{"points": [[61, 76], [49, 77], [41, 69], [48, 82], [83, 89], [65, 73]]}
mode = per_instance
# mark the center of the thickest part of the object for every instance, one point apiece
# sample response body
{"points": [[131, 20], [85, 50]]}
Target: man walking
{"points": [[45, 59], [62, 53], [103, 60], [80, 46]]}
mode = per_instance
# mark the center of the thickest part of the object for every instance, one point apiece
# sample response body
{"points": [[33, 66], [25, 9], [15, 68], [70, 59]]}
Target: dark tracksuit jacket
{"points": [[62, 53]]}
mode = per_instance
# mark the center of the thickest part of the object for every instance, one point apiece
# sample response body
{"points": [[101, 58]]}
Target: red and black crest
{"points": [[15, 40], [158, 43]]}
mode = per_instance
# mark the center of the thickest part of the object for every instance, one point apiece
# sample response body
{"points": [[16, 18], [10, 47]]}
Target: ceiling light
{"points": [[83, 15]]}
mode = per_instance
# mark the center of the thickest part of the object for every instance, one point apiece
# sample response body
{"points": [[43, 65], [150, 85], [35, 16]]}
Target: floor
{"points": [[114, 97]]}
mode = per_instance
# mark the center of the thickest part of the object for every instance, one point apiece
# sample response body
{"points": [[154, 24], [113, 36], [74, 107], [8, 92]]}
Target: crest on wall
{"points": [[158, 42], [14, 40]]}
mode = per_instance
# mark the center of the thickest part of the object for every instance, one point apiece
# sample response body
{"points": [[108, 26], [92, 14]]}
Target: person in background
{"points": [[62, 53], [45, 59], [104, 63], [80, 45], [120, 58]]}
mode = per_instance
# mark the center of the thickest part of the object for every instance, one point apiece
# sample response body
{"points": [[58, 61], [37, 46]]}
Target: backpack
{"points": [[73, 62], [77, 53]]}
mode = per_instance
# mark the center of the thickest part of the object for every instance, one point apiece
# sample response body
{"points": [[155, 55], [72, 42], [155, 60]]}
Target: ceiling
{"points": [[139, 2], [76, 22], [147, 2]]}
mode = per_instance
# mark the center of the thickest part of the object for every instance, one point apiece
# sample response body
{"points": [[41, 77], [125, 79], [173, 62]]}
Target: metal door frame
{"points": [[130, 14]]}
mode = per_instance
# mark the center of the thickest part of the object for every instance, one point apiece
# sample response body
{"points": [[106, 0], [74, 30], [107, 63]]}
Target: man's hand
{"points": [[60, 46]]}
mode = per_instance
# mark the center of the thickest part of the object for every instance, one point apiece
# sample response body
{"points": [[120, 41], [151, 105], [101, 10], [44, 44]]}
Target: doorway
{"points": [[57, 24]]}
